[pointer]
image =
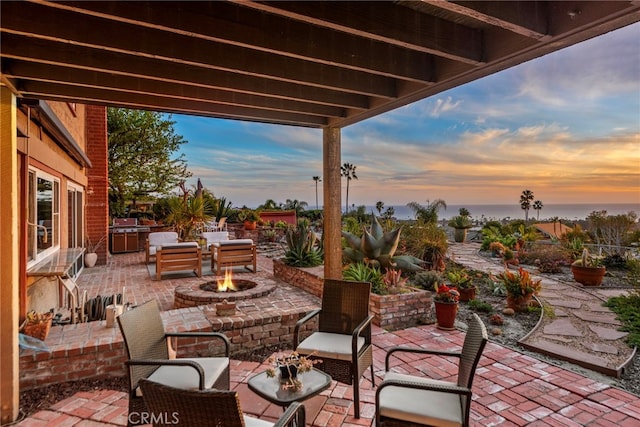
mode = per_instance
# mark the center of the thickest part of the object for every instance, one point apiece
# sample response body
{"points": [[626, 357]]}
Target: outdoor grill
{"points": [[125, 235]]}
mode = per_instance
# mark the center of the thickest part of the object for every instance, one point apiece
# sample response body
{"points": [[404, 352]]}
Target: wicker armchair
{"points": [[409, 400], [206, 408], [148, 352], [343, 340]]}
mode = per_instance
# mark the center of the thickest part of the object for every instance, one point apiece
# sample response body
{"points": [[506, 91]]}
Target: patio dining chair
{"points": [[172, 406], [343, 339], [148, 352], [411, 400]]}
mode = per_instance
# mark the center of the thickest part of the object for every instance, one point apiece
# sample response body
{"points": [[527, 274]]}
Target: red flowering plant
{"points": [[446, 294]]}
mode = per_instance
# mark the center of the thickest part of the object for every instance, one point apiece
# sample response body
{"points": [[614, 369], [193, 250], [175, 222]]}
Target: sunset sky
{"points": [[566, 126]]}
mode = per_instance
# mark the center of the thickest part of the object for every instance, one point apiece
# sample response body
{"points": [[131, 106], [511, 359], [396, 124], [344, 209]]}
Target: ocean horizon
{"points": [[570, 212]]}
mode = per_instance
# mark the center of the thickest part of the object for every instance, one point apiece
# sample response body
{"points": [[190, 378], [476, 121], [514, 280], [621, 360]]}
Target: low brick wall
{"points": [[391, 312], [91, 350], [307, 279]]}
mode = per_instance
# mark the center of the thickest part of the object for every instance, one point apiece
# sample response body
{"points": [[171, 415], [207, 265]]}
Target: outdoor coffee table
{"points": [[313, 383]]}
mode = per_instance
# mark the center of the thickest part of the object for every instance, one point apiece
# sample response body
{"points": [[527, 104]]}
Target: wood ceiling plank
{"points": [[214, 21], [136, 85], [48, 52], [44, 22]]}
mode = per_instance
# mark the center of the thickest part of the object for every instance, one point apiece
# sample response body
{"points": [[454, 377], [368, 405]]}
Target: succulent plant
{"points": [[377, 248]]}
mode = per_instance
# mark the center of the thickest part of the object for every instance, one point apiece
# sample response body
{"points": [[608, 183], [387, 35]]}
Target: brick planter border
{"points": [[391, 312]]}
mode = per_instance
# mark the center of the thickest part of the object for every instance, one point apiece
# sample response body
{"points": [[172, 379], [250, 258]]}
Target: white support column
{"points": [[9, 254], [332, 213]]}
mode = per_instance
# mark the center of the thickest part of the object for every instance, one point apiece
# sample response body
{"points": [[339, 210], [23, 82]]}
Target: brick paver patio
{"points": [[510, 388]]}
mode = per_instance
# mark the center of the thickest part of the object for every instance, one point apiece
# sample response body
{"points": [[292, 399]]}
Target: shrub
{"points": [[548, 258], [480, 306], [302, 249], [360, 272], [427, 279], [427, 242]]}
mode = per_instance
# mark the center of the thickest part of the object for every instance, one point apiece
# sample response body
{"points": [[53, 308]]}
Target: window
{"points": [[43, 215], [75, 223]]}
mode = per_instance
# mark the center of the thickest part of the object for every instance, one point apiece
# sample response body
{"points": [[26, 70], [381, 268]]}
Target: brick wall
{"points": [[97, 204]]}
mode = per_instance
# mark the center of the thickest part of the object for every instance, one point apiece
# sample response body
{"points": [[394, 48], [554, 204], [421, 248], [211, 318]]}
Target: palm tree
{"points": [[317, 179], [348, 171], [268, 204], [429, 213], [537, 205], [379, 206], [525, 203]]}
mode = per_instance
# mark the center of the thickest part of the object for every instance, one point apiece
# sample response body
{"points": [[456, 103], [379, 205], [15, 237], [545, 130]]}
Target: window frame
{"points": [[34, 255]]}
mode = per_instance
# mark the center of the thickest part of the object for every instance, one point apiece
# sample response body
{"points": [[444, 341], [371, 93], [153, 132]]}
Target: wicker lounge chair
{"points": [[343, 339], [207, 408], [148, 352], [410, 400]]}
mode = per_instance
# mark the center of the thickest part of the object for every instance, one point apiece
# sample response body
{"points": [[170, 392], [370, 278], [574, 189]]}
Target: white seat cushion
{"points": [[420, 406], [160, 237], [186, 377], [254, 422], [331, 346], [215, 236], [234, 242]]}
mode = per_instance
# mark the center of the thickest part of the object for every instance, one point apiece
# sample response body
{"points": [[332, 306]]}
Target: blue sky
{"points": [[566, 126]]}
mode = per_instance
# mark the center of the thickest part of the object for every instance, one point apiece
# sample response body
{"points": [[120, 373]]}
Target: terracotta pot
{"points": [[588, 276], [519, 303], [446, 314], [467, 294], [250, 225], [460, 235]]}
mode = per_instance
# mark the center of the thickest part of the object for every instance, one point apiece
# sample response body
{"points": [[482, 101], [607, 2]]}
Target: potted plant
{"points": [[446, 303], [588, 270], [270, 235], [460, 223], [287, 367], [463, 283], [520, 288], [249, 218], [90, 256], [37, 325]]}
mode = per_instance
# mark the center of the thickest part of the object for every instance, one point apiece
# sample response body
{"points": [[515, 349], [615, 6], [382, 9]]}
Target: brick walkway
{"points": [[510, 388]]}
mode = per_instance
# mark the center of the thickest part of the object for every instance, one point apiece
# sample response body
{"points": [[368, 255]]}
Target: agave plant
{"points": [[302, 248], [377, 248]]}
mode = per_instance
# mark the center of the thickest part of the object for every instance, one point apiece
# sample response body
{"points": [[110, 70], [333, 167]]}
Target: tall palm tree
{"points": [[537, 205], [317, 179], [525, 203], [429, 213], [348, 171]]}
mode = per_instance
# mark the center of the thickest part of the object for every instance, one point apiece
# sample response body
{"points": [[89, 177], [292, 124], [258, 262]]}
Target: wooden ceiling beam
{"points": [[48, 52], [98, 33], [527, 18], [385, 22], [133, 86], [85, 95], [213, 21]]}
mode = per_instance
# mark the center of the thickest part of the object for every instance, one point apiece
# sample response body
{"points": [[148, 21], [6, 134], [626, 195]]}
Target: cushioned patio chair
{"points": [[343, 339], [207, 408], [157, 239], [214, 237], [411, 400], [148, 351]]}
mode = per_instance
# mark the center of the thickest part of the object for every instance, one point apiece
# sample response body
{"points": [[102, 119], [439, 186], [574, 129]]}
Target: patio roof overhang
{"points": [[313, 63]]}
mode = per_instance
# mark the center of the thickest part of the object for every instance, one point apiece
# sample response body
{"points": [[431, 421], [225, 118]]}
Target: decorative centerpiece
{"points": [[446, 303], [287, 367], [520, 288]]}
